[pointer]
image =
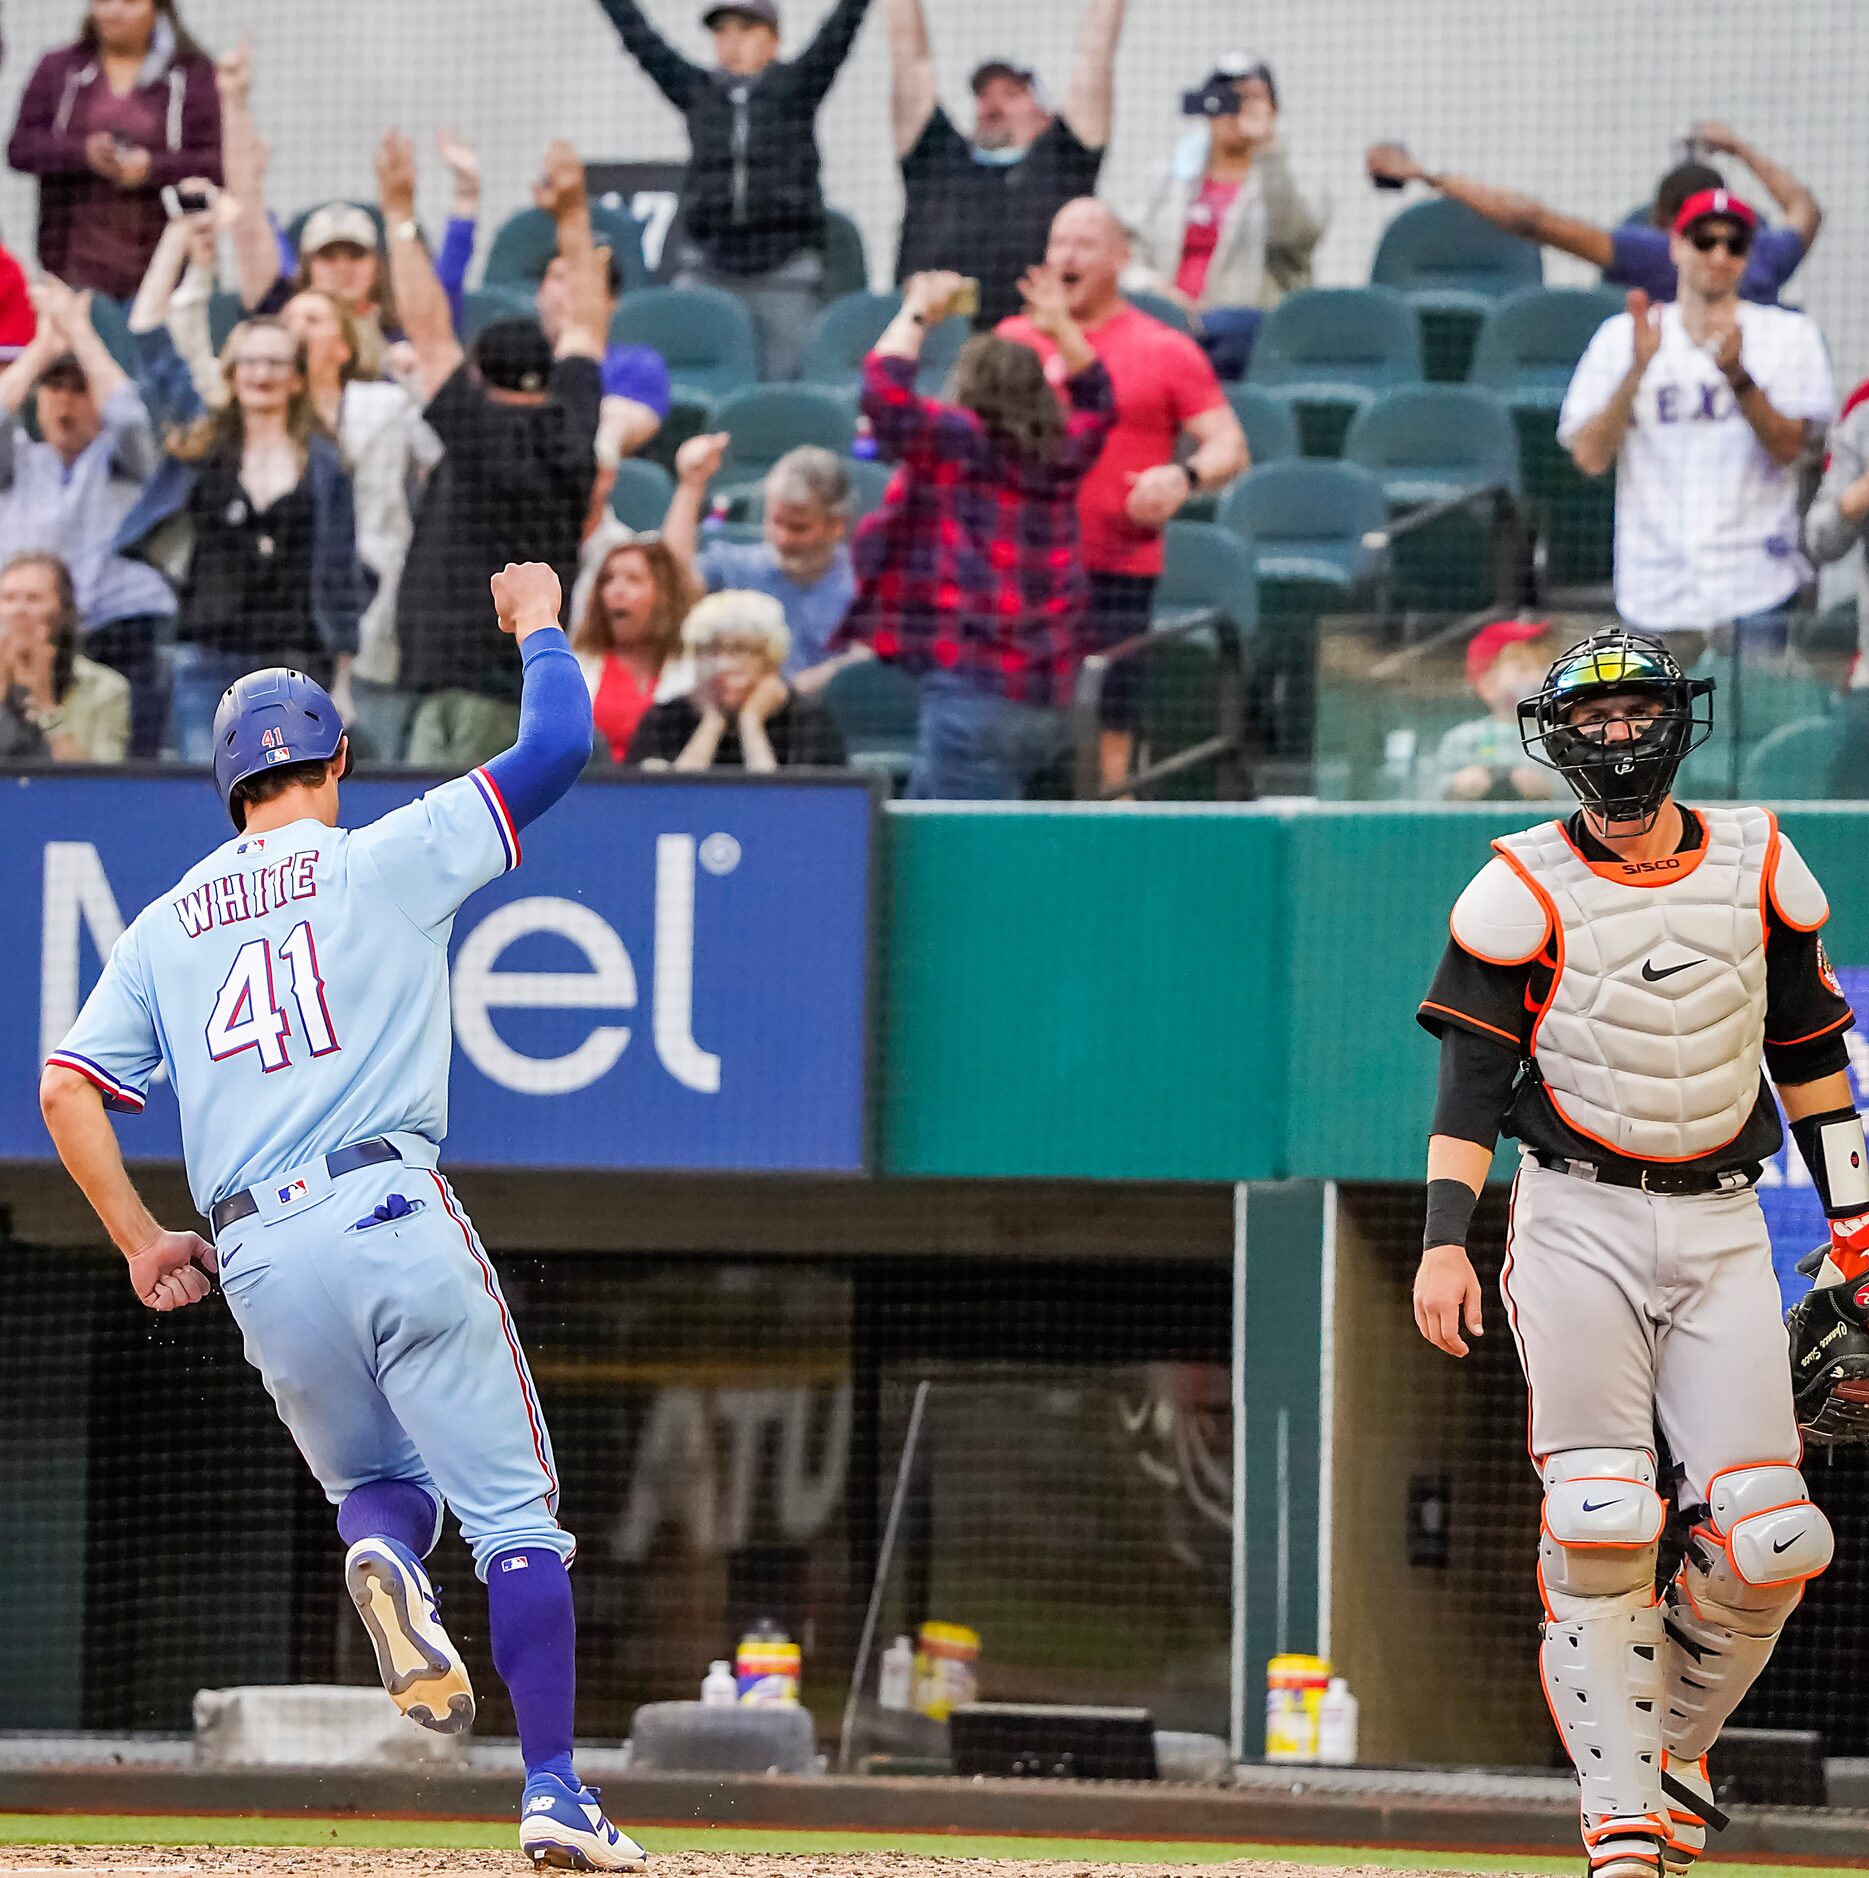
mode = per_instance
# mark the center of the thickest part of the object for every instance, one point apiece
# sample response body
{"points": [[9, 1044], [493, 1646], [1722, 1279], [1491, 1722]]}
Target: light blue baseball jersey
{"points": [[295, 983]]}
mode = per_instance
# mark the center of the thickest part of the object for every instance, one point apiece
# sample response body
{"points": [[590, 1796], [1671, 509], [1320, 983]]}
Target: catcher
{"points": [[1615, 985]]}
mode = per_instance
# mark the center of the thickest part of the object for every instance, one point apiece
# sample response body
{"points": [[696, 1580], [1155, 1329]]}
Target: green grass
{"points": [[482, 1835]]}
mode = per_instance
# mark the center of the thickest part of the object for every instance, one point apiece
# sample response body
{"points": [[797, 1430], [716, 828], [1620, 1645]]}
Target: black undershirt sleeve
{"points": [[1805, 1014], [1476, 1084]]}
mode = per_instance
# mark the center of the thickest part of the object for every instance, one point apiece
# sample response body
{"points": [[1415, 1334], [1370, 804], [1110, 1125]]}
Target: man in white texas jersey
{"points": [[1614, 988], [1704, 409], [295, 985]]}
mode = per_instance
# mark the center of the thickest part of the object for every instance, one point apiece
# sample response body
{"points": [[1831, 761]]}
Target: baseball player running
{"points": [[1613, 985], [295, 985]]}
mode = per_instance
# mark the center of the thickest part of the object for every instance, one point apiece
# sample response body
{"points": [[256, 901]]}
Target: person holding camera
{"points": [[1228, 232]]}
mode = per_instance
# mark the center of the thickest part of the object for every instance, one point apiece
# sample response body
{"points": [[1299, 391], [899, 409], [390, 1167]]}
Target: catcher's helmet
{"points": [[268, 718], [1623, 780], [1829, 1332]]}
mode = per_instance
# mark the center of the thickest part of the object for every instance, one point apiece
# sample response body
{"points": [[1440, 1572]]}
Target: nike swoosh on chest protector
{"points": [[1667, 971]]}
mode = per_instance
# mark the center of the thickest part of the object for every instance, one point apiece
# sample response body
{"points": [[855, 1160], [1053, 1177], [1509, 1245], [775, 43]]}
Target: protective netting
{"points": [[1396, 357], [730, 1438]]}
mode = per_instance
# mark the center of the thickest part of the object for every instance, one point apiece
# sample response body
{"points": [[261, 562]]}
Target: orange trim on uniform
{"points": [[1841, 1023], [1447, 1010], [1661, 872], [1531, 1046], [1486, 958], [1772, 852]]}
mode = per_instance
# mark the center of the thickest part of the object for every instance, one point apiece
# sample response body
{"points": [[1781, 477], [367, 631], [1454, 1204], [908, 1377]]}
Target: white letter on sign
{"points": [[479, 988], [683, 1058]]}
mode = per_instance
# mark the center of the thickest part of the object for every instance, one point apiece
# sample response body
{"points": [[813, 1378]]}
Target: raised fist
{"points": [[526, 595]]}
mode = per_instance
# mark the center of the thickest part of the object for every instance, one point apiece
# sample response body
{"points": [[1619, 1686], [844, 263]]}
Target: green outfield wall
{"points": [[1191, 994]]}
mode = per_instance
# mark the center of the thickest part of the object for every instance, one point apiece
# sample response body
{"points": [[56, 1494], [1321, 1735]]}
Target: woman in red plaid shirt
{"points": [[970, 574]]}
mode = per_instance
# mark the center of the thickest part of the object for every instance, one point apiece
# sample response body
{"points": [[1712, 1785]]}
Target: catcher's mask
{"points": [[1829, 1332], [1623, 772]]}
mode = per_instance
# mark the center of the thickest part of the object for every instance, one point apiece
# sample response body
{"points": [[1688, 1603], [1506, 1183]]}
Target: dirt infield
{"points": [[123, 1861]]}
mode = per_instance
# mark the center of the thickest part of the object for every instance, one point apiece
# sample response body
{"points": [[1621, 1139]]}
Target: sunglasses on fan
{"points": [[1736, 241]]}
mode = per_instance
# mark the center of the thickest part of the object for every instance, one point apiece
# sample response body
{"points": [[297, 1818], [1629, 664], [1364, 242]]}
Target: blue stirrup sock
{"points": [[535, 1635], [389, 1509]]}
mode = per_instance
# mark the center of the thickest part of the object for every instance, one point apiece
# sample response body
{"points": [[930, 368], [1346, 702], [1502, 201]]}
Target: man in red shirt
{"points": [[1165, 390]]}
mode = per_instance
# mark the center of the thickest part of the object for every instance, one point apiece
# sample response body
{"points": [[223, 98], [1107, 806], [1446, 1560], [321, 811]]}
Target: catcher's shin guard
{"points": [[1601, 1659], [1746, 1567]]}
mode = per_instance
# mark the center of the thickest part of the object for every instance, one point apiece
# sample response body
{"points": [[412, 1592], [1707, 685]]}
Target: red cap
{"points": [[1487, 644], [1714, 202]]}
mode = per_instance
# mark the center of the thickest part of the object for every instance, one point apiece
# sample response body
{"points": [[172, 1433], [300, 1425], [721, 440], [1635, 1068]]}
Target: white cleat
{"points": [[420, 1667], [1687, 1817], [562, 1828]]}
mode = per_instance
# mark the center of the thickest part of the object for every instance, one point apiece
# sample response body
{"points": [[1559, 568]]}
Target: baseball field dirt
{"points": [[129, 1861]]}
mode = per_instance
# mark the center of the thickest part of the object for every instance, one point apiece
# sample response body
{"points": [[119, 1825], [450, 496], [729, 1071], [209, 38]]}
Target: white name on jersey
{"points": [[236, 897]]}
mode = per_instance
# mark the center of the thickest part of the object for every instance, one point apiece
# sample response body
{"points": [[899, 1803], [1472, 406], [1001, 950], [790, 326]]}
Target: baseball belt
{"points": [[239, 1206], [1675, 1180]]}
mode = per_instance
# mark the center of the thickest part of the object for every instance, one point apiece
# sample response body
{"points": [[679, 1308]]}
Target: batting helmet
{"points": [[268, 718], [1829, 1337]]}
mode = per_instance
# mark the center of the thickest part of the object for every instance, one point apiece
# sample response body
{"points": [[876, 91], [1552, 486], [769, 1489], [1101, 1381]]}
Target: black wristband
{"points": [[1450, 1213], [1742, 383]]}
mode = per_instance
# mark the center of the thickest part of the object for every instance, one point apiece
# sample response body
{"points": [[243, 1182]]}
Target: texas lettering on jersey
{"points": [[231, 898]]}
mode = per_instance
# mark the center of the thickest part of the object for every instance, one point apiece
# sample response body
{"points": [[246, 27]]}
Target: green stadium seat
{"points": [[1270, 427], [843, 334], [525, 242], [641, 494], [705, 336], [846, 264], [765, 421], [1426, 444], [1793, 762], [111, 319], [875, 705], [225, 311], [1305, 523], [1527, 350], [1328, 351], [1206, 566], [1453, 265], [869, 480], [481, 307]]}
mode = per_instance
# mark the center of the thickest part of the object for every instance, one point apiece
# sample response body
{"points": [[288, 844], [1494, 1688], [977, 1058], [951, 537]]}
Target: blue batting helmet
{"points": [[269, 718]]}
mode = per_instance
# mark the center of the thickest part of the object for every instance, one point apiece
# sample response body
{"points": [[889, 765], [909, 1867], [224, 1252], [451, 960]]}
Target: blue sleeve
{"points": [[639, 374], [554, 730], [1639, 258], [1776, 256], [457, 250], [163, 377], [114, 1044]]}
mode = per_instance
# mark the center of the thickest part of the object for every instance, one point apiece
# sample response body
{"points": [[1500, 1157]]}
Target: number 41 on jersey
{"points": [[249, 1013]]}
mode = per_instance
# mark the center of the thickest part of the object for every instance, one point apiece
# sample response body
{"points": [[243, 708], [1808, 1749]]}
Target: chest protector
{"points": [[1651, 1041]]}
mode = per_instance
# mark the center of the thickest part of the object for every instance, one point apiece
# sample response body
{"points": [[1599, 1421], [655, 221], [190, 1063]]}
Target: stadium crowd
{"points": [[229, 440]]}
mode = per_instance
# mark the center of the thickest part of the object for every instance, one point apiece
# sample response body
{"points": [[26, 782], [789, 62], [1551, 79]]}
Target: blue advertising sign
{"points": [[1792, 1215], [676, 978]]}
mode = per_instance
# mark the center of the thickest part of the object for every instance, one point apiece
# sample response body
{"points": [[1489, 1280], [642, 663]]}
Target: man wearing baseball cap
{"points": [[1703, 408], [753, 203], [983, 206], [1635, 253]]}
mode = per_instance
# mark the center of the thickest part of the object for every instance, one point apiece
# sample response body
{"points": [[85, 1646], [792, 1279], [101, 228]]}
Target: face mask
{"points": [[997, 159]]}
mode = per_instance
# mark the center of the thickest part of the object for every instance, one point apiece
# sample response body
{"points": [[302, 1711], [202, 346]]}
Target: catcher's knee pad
{"points": [[1746, 1567], [1601, 1658], [1602, 1520]]}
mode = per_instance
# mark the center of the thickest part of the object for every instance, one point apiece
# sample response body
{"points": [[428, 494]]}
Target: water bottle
{"points": [[1336, 1725], [719, 511], [864, 447], [720, 1688], [895, 1685]]}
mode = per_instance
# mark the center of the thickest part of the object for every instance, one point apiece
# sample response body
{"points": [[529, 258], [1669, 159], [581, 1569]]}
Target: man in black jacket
{"points": [[753, 207]]}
